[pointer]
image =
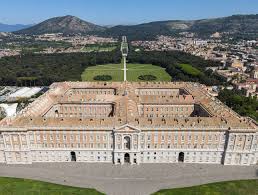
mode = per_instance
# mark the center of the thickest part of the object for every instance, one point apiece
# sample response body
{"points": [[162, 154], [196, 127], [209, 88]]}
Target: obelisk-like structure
{"points": [[124, 51]]}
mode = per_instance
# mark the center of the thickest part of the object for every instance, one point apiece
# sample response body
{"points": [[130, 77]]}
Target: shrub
{"points": [[102, 78], [147, 77]]}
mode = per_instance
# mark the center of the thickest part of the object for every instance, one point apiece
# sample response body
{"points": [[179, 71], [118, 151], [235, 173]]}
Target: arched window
{"points": [[127, 144], [56, 113]]}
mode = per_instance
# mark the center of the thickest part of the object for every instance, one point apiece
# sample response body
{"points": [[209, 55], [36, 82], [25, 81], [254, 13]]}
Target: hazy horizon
{"points": [[116, 12]]}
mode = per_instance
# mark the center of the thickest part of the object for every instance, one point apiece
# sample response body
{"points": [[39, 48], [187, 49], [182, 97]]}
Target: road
{"points": [[129, 180]]}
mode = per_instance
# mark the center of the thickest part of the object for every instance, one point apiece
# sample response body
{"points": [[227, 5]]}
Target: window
{"points": [[15, 138], [127, 143], [98, 137], [38, 137], [155, 138]]}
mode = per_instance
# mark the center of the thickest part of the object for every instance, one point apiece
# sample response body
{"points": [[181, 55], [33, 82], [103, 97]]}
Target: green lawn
{"points": [[133, 72], [188, 69], [13, 186], [99, 48], [244, 187]]}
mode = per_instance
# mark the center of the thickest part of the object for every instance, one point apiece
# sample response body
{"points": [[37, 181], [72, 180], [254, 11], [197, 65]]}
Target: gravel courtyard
{"points": [[128, 180]]}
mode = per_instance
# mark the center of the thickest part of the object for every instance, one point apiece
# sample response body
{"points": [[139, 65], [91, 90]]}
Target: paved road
{"points": [[126, 179]]}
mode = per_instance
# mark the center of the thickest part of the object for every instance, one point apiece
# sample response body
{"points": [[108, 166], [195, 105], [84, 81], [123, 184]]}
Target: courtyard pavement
{"points": [[141, 179]]}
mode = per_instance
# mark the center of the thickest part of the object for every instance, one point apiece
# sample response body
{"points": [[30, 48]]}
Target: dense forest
{"points": [[44, 69], [245, 106], [172, 61], [39, 69]]}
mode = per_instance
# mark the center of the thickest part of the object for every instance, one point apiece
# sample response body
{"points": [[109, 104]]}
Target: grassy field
{"points": [[13, 186], [133, 72], [244, 187], [188, 69], [98, 48]]}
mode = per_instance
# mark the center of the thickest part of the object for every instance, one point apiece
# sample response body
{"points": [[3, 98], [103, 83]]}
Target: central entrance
{"points": [[127, 158]]}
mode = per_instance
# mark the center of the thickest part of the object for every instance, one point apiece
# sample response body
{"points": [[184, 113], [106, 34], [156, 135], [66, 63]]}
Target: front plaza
{"points": [[129, 179], [128, 123]]}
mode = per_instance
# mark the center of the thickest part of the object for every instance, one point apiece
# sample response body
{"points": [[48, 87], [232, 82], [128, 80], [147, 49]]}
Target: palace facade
{"points": [[128, 122]]}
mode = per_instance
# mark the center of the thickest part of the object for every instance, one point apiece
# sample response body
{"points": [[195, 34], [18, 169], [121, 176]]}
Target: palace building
{"points": [[128, 122]]}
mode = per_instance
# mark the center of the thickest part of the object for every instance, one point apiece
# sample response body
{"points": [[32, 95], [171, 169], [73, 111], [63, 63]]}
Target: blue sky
{"points": [[112, 12]]}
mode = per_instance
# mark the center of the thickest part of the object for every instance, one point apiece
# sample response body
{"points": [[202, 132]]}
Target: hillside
{"points": [[66, 24], [236, 25]]}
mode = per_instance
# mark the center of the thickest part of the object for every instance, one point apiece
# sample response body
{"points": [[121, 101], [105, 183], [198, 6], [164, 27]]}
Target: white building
{"points": [[158, 122]]}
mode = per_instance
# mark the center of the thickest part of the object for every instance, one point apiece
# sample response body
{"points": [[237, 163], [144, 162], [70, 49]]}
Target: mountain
{"points": [[244, 26], [235, 25], [66, 24], [11, 28]]}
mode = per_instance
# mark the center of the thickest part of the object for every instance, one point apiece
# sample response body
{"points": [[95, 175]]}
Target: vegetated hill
{"points": [[14, 27], [235, 25], [244, 26], [66, 24], [148, 30]]}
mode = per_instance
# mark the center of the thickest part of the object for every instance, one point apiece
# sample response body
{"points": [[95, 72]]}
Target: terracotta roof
{"points": [[126, 99]]}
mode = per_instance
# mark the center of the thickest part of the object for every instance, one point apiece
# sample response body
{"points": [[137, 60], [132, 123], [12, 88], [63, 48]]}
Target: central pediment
{"points": [[127, 128]]}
